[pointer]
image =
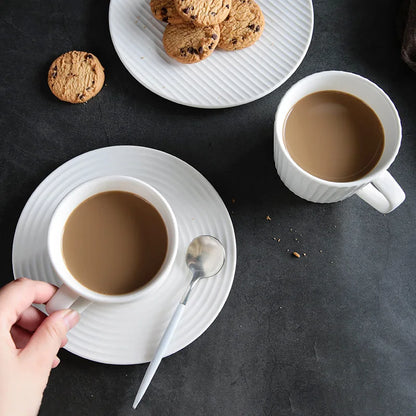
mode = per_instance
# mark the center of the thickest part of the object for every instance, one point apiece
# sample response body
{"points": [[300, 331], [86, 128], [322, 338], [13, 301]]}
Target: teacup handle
{"points": [[66, 298], [383, 193]]}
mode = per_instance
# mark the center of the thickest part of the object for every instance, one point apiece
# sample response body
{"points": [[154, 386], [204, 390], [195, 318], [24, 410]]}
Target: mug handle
{"points": [[66, 298], [383, 193]]}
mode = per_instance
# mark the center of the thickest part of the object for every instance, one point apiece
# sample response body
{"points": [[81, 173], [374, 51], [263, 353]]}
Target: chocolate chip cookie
{"points": [[243, 26], [188, 43], [76, 76], [165, 11], [203, 12]]}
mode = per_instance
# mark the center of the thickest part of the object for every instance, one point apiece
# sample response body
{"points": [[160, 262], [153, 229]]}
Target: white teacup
{"points": [[72, 293], [378, 188]]}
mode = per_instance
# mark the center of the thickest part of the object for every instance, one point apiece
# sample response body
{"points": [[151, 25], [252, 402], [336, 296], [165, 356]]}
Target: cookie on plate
{"points": [[203, 12], [243, 26], [76, 77], [165, 11], [188, 43]]}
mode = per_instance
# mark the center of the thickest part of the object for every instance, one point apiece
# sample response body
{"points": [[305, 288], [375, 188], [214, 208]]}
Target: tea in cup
{"points": [[112, 239]]}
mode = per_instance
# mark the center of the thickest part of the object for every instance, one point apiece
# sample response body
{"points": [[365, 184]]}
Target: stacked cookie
{"points": [[196, 27]]}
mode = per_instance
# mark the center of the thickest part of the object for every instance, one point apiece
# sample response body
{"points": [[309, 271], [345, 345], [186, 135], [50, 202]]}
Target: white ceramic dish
{"points": [[129, 333], [225, 79]]}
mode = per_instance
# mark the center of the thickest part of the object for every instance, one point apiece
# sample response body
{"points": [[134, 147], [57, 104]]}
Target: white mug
{"points": [[72, 294], [378, 188]]}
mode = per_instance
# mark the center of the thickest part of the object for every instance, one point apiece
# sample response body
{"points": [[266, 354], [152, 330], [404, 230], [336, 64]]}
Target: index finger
{"points": [[17, 296]]}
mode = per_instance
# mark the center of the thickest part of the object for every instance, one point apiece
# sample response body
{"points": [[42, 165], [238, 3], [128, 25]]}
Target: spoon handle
{"points": [[154, 364]]}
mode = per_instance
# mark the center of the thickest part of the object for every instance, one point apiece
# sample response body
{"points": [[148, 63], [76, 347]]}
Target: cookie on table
{"points": [[165, 11], [243, 26], [203, 12], [188, 43], [76, 77]]}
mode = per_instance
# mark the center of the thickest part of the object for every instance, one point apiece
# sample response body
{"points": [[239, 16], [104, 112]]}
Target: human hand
{"points": [[29, 342]]}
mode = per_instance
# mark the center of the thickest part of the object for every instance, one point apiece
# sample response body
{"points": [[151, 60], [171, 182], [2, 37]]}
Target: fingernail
{"points": [[71, 318], [56, 362]]}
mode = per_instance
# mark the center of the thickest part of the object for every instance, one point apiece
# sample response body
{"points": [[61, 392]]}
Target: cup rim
{"points": [[69, 280], [370, 176]]}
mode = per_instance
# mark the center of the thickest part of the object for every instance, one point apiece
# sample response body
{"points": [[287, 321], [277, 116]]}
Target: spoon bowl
{"points": [[205, 256]]}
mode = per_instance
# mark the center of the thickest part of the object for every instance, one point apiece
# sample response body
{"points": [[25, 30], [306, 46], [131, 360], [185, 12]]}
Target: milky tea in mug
{"points": [[334, 136]]}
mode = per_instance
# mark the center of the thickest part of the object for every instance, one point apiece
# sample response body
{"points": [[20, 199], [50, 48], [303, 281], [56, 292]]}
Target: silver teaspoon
{"points": [[205, 257]]}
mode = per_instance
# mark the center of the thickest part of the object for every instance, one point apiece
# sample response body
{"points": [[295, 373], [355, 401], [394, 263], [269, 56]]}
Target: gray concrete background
{"points": [[329, 334]]}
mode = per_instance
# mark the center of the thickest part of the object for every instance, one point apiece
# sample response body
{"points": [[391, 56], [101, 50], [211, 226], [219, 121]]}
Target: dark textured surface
{"points": [[332, 333]]}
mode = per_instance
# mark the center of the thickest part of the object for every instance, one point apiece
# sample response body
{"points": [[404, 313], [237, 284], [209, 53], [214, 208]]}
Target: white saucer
{"points": [[130, 333], [224, 79]]}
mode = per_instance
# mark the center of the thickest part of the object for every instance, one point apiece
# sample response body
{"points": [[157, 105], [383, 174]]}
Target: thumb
{"points": [[49, 336]]}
